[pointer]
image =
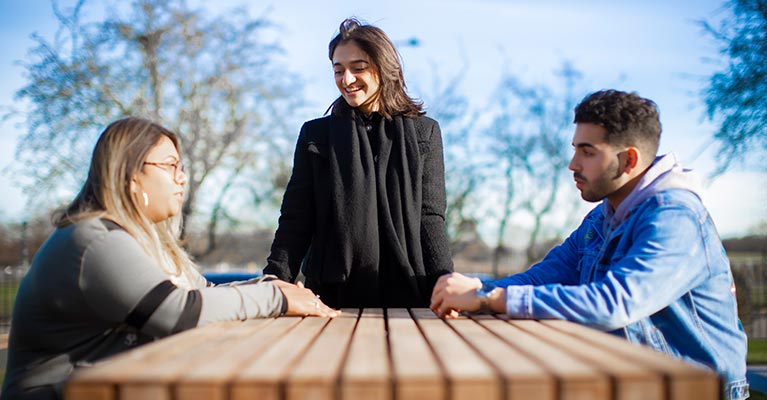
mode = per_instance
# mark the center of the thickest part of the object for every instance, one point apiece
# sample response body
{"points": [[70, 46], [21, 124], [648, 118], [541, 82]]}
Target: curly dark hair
{"points": [[628, 118], [373, 41]]}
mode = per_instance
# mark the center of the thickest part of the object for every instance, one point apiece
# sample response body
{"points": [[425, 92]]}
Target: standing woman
{"points": [[363, 211], [113, 276]]}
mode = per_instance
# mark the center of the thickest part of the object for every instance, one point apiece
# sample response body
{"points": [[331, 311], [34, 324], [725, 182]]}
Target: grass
{"points": [[757, 351], [7, 298]]}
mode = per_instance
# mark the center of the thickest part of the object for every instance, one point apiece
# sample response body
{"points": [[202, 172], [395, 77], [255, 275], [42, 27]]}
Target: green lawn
{"points": [[757, 351], [7, 297]]}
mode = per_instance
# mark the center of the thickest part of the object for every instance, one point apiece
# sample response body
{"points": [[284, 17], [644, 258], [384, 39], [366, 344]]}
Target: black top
{"points": [[364, 211]]}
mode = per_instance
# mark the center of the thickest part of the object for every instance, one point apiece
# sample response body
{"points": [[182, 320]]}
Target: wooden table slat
{"points": [[96, 382], [366, 371], [686, 381], [159, 379], [576, 379], [472, 377], [316, 375], [263, 379], [414, 366], [208, 379], [632, 381], [524, 377]]}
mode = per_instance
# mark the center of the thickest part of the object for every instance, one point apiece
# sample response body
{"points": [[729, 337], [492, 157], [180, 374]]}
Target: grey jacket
{"points": [[92, 292]]}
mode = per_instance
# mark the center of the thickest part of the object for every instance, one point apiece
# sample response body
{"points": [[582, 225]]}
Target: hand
{"points": [[302, 301], [455, 292]]}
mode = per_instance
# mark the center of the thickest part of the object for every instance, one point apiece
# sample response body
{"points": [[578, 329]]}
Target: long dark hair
{"points": [[372, 40]]}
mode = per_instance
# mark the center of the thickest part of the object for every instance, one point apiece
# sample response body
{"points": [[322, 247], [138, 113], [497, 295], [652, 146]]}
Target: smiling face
{"points": [[159, 187], [356, 77], [597, 166]]}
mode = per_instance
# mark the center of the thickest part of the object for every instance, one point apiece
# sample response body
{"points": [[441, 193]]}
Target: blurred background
{"points": [[237, 79]]}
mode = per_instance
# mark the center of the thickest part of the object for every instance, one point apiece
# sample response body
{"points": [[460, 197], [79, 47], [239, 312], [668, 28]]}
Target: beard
{"points": [[603, 185]]}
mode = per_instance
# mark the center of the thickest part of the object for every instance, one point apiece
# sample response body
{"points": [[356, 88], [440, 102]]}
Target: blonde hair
{"points": [[119, 155]]}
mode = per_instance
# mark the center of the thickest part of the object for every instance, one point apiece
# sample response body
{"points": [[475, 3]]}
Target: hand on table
{"points": [[453, 293], [302, 301]]}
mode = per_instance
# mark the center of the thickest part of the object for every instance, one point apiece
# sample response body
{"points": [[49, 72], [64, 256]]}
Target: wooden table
{"points": [[392, 354]]}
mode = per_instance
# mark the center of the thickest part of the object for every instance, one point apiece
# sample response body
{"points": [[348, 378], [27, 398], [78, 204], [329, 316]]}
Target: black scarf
{"points": [[375, 188]]}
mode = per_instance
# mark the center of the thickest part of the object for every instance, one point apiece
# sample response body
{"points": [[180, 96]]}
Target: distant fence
{"points": [[751, 290], [10, 277]]}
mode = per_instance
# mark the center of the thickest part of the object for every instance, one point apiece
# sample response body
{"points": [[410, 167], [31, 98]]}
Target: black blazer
{"points": [[404, 273]]}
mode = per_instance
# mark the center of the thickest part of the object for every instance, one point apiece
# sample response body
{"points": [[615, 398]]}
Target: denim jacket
{"points": [[653, 271]]}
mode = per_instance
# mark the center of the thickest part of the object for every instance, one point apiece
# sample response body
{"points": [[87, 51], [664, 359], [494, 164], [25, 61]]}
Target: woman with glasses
{"points": [[364, 210], [113, 276]]}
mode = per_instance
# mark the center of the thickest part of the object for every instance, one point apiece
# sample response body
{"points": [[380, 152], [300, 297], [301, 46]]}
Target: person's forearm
{"points": [[497, 300]]}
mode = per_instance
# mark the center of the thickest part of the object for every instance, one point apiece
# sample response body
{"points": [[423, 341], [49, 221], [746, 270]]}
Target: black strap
{"points": [[149, 303], [191, 314], [110, 225]]}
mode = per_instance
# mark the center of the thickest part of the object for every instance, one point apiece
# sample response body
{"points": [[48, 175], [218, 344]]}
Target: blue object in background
{"points": [[230, 276]]}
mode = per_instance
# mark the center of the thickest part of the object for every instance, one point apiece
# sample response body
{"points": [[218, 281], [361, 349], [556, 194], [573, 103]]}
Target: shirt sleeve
{"points": [[122, 284], [434, 243], [662, 264]]}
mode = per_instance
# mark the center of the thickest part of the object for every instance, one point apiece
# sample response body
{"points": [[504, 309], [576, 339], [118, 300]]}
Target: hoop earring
{"points": [[146, 199]]}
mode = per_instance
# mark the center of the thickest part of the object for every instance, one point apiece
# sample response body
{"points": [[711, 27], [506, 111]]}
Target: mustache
{"points": [[579, 177]]}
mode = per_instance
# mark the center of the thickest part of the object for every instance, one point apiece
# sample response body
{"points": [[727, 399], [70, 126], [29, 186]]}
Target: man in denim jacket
{"points": [[646, 263]]}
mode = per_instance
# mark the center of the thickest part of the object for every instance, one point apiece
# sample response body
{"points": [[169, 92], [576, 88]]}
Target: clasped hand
{"points": [[454, 293]]}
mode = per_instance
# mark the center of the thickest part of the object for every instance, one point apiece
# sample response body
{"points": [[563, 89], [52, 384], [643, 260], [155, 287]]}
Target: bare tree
{"points": [[216, 80], [529, 142], [463, 169], [736, 95]]}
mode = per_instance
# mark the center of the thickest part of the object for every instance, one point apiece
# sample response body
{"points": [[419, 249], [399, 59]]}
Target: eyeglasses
{"points": [[178, 168]]}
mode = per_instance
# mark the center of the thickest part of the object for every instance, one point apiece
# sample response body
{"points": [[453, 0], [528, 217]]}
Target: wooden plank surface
{"points": [[263, 378], [98, 382], [632, 381], [316, 375], [210, 379], [157, 380], [417, 375], [685, 380], [469, 375], [366, 371], [405, 355], [524, 377], [576, 379]]}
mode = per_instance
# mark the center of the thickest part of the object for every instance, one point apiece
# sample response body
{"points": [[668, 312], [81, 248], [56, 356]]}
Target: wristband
{"points": [[483, 294]]}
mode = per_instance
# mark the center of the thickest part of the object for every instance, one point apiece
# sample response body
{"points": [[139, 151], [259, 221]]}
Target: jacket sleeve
{"points": [[122, 284], [663, 262], [434, 243], [297, 216]]}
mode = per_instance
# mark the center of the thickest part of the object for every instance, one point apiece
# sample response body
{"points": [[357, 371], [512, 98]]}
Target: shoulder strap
{"points": [[111, 225]]}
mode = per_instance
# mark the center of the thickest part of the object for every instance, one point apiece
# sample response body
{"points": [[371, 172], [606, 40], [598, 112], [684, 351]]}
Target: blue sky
{"points": [[653, 47]]}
